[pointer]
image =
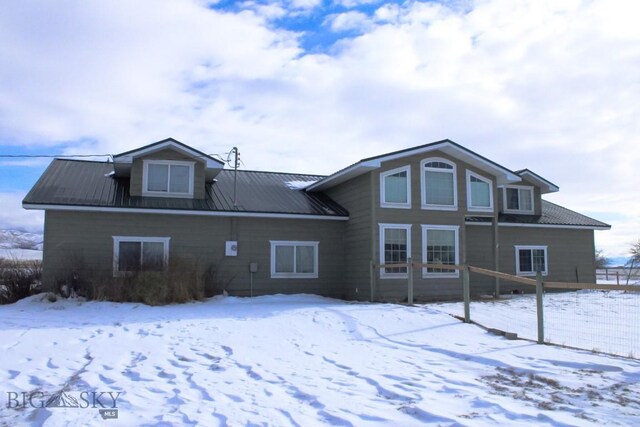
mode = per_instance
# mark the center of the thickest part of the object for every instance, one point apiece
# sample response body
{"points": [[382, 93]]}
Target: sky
{"points": [[311, 86]]}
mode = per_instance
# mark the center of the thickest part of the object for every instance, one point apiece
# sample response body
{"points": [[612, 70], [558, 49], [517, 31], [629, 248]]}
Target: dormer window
{"points": [[479, 193], [439, 184], [395, 188], [518, 199], [167, 178]]}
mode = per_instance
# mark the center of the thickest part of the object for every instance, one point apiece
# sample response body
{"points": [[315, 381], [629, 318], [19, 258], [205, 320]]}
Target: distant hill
{"points": [[15, 239], [617, 261]]}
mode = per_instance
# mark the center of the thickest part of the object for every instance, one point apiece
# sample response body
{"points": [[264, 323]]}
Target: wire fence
{"points": [[603, 318]]}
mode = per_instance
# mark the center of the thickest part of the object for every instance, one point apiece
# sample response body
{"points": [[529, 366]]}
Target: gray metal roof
{"points": [[552, 214], [86, 183]]}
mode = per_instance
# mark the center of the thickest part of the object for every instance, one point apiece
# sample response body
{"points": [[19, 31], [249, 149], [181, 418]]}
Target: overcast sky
{"points": [[312, 86]]}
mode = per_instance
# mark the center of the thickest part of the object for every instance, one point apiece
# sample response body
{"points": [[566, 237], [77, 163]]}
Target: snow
{"points": [[22, 254], [298, 360], [299, 185]]}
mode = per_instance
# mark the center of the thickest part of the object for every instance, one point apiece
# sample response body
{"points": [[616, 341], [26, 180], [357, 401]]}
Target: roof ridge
{"points": [[276, 173], [82, 160]]}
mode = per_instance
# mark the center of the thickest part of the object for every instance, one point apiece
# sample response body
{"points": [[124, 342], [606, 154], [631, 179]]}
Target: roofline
{"points": [[552, 187], [517, 224], [84, 208], [375, 162], [207, 158]]}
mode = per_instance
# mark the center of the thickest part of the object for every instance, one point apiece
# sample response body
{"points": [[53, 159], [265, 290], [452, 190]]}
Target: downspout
{"points": [[372, 271]]}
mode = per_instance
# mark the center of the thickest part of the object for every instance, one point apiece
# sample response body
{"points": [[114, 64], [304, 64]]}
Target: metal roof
{"points": [[92, 184], [552, 215]]}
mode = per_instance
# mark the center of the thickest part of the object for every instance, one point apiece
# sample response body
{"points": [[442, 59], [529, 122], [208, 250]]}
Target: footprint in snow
{"points": [[227, 350], [50, 365]]}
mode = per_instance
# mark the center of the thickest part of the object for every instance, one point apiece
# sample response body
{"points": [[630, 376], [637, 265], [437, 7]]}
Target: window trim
{"points": [[294, 244], [137, 239], [383, 175], [145, 178], [440, 275], [518, 248], [382, 227], [453, 171], [470, 206], [518, 211]]}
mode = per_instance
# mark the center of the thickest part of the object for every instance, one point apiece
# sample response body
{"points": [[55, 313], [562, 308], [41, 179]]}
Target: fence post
{"points": [[606, 273], [372, 278], [410, 280], [618, 277], [540, 311], [466, 293]]}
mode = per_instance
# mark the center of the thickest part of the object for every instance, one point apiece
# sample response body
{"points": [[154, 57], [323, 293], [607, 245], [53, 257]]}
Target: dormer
{"points": [[525, 197], [167, 168]]}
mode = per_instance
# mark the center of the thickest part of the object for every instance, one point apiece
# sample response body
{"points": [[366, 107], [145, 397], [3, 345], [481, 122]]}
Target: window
{"points": [[395, 188], [167, 178], [479, 193], [438, 179], [518, 199], [395, 248], [133, 254], [440, 246], [294, 260], [531, 259]]}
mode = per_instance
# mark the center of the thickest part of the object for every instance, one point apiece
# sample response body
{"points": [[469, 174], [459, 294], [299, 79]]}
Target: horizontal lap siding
{"points": [[355, 196], [83, 240], [567, 250], [427, 288], [480, 254]]}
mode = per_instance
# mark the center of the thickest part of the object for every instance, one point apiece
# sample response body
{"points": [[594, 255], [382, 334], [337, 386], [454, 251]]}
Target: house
{"points": [[294, 233]]}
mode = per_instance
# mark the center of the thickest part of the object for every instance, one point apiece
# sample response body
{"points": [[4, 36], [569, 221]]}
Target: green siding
{"points": [[83, 241]]}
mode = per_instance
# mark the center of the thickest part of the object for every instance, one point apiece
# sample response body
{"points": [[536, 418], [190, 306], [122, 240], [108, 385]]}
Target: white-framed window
{"points": [[439, 184], [440, 245], [164, 178], [134, 254], [294, 259], [395, 188], [395, 248], [479, 193], [518, 199], [531, 259]]}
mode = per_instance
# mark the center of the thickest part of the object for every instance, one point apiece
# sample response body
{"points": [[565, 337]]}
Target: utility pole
{"points": [[236, 163]]}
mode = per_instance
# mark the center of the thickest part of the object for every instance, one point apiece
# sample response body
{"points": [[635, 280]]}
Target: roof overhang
{"points": [[502, 174], [544, 185]]}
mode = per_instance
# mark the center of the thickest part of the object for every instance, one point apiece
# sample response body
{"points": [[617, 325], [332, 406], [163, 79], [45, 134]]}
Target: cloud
{"points": [[552, 86], [13, 217]]}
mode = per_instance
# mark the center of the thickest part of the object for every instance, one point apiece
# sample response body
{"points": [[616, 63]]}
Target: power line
{"points": [[71, 156]]}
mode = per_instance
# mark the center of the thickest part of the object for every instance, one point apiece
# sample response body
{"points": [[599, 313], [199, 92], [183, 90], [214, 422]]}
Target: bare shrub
{"points": [[18, 279]]}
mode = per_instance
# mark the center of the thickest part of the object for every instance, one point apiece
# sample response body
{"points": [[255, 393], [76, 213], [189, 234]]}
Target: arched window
{"points": [[439, 184]]}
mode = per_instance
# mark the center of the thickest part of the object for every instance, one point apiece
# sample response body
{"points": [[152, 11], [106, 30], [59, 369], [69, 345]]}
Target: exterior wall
{"points": [[430, 287], [135, 186], [570, 253], [83, 241], [480, 254], [356, 196]]}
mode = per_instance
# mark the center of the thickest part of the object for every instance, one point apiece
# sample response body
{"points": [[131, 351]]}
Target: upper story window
{"points": [[479, 193], [167, 178], [439, 184], [518, 199], [395, 188]]}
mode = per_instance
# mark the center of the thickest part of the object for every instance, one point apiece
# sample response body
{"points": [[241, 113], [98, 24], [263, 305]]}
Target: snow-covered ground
{"points": [[598, 320], [22, 254], [296, 360]]}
